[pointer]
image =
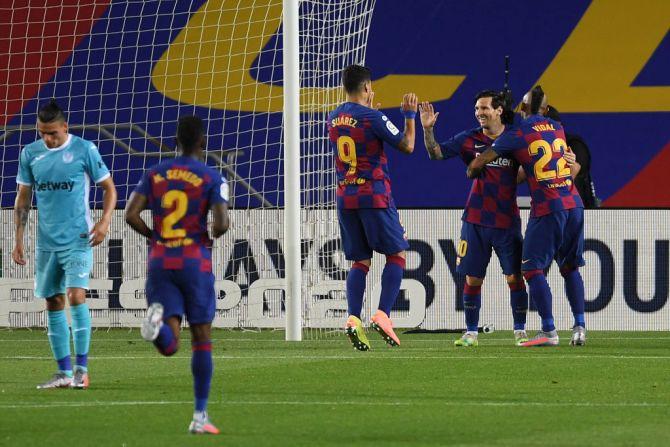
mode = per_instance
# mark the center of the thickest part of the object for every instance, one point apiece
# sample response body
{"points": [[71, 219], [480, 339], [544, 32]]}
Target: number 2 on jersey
{"points": [[346, 150], [181, 199], [547, 174]]}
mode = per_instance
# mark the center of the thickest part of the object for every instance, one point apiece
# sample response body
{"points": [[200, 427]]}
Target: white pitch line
{"points": [[347, 403], [502, 356], [336, 339]]}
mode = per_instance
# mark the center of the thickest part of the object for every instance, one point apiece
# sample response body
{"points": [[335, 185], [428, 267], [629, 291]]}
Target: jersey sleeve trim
{"points": [[104, 177]]}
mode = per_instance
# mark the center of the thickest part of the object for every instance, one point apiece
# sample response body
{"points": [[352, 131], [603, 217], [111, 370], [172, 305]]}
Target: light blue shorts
{"points": [[56, 271]]}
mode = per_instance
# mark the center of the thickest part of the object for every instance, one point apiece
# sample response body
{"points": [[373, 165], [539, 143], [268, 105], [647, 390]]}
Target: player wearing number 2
{"points": [[180, 192], [555, 229], [367, 215]]}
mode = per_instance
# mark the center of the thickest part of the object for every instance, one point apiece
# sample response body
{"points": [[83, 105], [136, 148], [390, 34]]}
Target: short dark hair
{"points": [[50, 112], [189, 131], [535, 100], [497, 99], [553, 113], [354, 76]]}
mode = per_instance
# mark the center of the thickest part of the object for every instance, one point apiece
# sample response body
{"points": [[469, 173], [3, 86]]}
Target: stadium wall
{"points": [[627, 275]]}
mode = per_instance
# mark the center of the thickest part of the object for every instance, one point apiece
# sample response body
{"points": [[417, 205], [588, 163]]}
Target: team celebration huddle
{"points": [[502, 151]]}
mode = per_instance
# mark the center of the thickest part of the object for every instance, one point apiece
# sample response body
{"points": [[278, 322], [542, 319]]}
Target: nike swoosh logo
{"points": [[39, 157], [82, 275], [477, 146], [525, 260]]}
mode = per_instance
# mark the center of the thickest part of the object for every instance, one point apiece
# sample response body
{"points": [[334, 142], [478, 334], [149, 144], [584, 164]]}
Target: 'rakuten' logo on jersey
{"points": [[55, 186], [500, 162]]}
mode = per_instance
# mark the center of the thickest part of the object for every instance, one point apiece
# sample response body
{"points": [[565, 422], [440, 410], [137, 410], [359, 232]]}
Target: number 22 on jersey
{"points": [[346, 151], [541, 173]]}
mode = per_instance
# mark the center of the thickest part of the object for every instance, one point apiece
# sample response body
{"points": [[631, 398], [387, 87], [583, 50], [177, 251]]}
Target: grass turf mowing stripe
{"points": [[346, 403]]}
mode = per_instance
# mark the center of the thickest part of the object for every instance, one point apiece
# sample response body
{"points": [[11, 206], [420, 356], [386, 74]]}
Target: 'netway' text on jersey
{"points": [[357, 134], [539, 144], [180, 193], [492, 199], [61, 180]]}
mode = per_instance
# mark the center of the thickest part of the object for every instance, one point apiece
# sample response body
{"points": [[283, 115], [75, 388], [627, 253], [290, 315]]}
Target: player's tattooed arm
{"points": [[134, 207], [21, 211], [428, 119], [408, 108], [477, 165]]}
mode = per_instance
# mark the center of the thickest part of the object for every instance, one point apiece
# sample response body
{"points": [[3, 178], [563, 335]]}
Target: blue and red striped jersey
{"points": [[357, 134], [539, 144], [492, 198], [180, 193]]}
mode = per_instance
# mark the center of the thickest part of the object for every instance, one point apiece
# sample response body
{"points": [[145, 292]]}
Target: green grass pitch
{"points": [[614, 391]]}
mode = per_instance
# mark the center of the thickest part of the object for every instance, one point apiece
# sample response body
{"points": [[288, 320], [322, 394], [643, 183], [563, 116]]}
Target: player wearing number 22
{"points": [[556, 226], [367, 215], [180, 192]]}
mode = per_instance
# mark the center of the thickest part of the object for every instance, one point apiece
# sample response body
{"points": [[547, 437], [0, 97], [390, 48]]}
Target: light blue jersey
{"points": [[61, 180]]}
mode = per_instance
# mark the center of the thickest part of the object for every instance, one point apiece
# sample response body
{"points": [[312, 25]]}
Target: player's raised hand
{"points": [[371, 102], [427, 114], [98, 233], [409, 103], [17, 254]]}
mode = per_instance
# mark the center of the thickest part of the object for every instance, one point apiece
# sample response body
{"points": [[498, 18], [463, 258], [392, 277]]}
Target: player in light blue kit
{"points": [[59, 168]]}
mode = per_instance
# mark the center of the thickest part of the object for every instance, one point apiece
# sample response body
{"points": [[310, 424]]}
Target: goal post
{"points": [[291, 66]]}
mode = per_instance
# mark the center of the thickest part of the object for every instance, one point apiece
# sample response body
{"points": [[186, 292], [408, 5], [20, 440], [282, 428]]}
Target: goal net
{"points": [[124, 72]]}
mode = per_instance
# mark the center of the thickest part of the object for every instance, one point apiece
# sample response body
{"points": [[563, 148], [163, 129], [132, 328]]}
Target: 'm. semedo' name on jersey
{"points": [[179, 174], [344, 120], [543, 127]]}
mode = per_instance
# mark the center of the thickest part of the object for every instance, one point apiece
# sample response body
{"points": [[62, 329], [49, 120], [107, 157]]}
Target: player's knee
{"points": [[398, 259], [530, 274], [55, 303], [474, 281], [76, 296], [515, 282], [567, 269], [363, 265]]}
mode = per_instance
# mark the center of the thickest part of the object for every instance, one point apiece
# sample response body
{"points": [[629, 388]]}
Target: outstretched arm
{"points": [[428, 119], [136, 204], [408, 109], [477, 165], [21, 211]]}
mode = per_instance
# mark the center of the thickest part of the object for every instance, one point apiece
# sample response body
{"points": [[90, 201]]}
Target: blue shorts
{"points": [[56, 271], [559, 236], [476, 244], [189, 292], [371, 229]]}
